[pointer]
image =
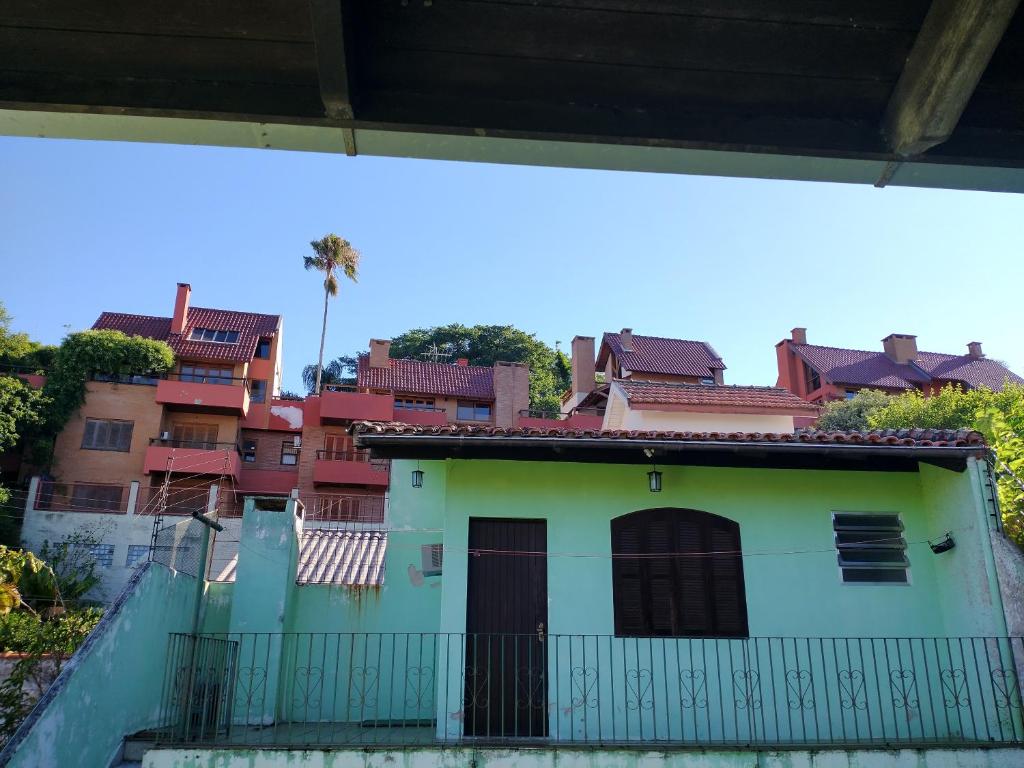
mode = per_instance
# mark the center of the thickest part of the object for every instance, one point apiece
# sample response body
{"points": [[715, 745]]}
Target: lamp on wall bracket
{"points": [[944, 544], [417, 476], [654, 476]]}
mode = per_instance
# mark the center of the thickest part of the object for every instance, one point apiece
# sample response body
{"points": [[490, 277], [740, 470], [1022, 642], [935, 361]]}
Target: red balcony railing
{"points": [[215, 394], [350, 468], [341, 403], [192, 456], [578, 418]]}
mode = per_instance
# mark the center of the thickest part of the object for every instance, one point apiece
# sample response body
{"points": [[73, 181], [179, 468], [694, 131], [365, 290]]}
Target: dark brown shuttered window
{"points": [[107, 435], [690, 592]]}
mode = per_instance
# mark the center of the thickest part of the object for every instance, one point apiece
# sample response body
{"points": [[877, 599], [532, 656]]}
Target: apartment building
{"points": [[822, 373]]}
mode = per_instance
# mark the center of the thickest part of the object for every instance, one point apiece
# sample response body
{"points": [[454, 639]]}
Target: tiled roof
{"points": [[713, 396], [250, 326], [423, 378], [351, 558], [347, 558], [653, 354], [888, 437], [875, 369], [976, 372]]}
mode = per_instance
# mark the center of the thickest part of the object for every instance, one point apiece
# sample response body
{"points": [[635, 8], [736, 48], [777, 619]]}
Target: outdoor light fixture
{"points": [[417, 476], [944, 544], [654, 480]]}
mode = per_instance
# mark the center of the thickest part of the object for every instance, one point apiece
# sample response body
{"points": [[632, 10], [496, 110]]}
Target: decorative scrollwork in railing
{"points": [[250, 687], [638, 683], [1006, 688], [363, 686], [904, 688], [747, 683], [307, 686], [419, 683], [529, 687], [851, 689], [955, 692], [476, 687], [799, 685], [692, 693], [584, 683]]}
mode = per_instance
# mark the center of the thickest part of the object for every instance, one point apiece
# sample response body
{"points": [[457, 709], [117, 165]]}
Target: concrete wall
{"points": [[112, 685]]}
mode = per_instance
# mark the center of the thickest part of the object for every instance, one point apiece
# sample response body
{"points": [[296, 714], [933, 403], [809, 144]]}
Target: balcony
{"points": [[344, 403], [591, 691], [192, 456], [349, 468], [206, 394], [425, 415], [578, 418]]}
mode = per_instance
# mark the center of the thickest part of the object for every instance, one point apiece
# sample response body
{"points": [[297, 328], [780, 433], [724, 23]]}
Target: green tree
{"points": [[341, 370], [487, 344], [331, 254], [852, 414]]}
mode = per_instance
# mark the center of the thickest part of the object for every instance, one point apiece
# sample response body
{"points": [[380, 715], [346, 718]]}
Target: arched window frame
{"points": [[701, 595]]}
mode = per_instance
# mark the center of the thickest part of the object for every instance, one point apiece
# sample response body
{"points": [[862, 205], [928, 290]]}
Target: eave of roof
{"points": [[713, 398], [887, 450]]}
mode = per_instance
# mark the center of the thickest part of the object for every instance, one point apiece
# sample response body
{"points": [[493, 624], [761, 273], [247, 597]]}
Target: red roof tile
{"points": [[890, 437], [250, 326], [713, 396], [423, 378], [653, 354], [876, 369]]}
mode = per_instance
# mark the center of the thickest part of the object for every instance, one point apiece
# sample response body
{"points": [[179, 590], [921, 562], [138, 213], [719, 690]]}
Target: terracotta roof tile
{"points": [[423, 378], [250, 326], [888, 437], [712, 395], [875, 369], [654, 354]]}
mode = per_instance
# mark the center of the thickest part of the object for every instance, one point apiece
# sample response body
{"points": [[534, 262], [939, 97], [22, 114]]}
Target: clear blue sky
{"points": [[91, 226]]}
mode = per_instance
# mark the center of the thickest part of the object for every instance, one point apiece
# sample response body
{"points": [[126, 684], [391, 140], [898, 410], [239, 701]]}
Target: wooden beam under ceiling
{"points": [[332, 60], [950, 53]]}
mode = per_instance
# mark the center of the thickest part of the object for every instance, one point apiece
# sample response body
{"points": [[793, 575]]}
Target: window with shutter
{"points": [[107, 435], [677, 573]]}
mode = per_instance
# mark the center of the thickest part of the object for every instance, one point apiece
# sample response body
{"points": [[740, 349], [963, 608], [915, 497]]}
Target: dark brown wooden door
{"points": [[506, 626]]}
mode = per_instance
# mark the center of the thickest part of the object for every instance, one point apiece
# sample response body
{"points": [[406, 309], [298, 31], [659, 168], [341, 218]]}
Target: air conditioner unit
{"points": [[165, 436], [433, 558], [297, 441]]}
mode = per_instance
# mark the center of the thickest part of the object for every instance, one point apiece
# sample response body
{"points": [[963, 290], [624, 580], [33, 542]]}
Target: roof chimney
{"points": [[380, 353], [900, 347], [462, 361], [974, 350], [181, 300], [799, 335], [583, 372], [626, 339]]}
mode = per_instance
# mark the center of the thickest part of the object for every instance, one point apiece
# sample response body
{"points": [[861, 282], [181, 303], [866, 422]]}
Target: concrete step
{"points": [[135, 748]]}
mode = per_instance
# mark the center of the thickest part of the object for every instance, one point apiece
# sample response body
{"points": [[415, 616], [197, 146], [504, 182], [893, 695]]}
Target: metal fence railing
{"points": [[179, 546], [107, 498], [174, 500], [309, 689], [344, 509]]}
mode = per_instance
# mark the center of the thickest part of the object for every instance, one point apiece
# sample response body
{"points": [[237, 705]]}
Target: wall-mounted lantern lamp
{"points": [[944, 544], [417, 476], [654, 480]]}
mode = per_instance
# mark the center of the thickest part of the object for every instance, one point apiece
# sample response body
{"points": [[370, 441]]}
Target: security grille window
{"points": [[871, 548], [468, 411], [677, 573], [249, 451], [86, 497], [263, 349], [137, 553], [107, 435], [201, 374], [258, 391], [103, 554], [208, 334], [289, 453]]}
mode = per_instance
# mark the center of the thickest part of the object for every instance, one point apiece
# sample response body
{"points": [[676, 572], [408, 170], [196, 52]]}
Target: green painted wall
{"points": [[112, 687]]}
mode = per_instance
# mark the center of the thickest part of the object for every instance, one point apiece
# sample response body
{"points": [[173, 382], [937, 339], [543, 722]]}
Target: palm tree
{"points": [[331, 254]]}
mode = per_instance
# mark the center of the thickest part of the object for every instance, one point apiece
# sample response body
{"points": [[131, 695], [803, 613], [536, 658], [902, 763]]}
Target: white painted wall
{"points": [[619, 415]]}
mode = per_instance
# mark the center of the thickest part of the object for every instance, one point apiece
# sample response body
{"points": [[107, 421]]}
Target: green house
{"points": [[536, 597]]}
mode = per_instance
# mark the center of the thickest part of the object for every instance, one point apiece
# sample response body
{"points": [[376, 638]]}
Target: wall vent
{"points": [[433, 558]]}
